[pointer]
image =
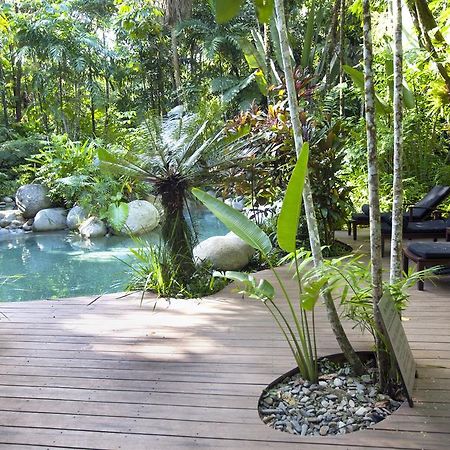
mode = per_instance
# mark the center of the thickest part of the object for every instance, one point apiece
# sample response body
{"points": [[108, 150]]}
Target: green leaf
{"points": [[307, 46], [117, 215], [225, 10], [236, 222], [358, 79], [287, 224], [264, 9]]}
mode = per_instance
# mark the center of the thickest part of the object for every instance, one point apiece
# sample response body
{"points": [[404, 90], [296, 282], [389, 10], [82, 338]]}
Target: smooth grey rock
{"points": [[324, 430], [92, 227], [142, 218], [31, 198], [361, 411], [304, 429], [50, 219], [4, 222], [227, 252], [75, 217], [7, 200], [338, 382]]}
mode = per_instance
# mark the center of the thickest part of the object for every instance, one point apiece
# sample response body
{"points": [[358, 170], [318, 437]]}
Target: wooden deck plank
{"points": [[114, 374]]}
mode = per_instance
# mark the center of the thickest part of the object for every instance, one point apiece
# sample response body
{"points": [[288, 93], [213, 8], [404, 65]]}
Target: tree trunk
{"points": [[175, 61], [333, 316], [374, 200], [341, 59], [92, 102], [176, 233], [61, 97], [3, 96], [17, 89], [397, 206], [331, 43]]}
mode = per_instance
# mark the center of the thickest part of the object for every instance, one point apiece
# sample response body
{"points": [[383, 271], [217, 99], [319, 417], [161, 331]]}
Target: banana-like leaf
{"points": [[225, 10], [358, 78], [307, 46], [236, 222], [264, 9], [292, 204], [261, 290]]}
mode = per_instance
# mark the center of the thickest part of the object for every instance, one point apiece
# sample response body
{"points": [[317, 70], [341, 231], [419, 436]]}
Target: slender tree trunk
{"points": [[175, 61], [92, 102], [3, 96], [313, 230], [331, 44], [374, 200], [61, 97], [341, 59], [17, 88], [397, 206]]}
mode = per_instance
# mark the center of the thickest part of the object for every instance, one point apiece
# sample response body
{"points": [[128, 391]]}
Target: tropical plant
{"points": [[176, 156], [70, 172], [153, 269], [294, 324]]}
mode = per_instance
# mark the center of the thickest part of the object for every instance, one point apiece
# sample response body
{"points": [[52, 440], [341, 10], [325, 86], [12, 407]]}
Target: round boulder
{"points": [[76, 217], [31, 198], [92, 228], [142, 218], [227, 252], [50, 219]]}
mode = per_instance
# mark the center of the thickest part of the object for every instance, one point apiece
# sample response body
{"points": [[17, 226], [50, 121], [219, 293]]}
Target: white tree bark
{"points": [[311, 220], [397, 205], [373, 184]]}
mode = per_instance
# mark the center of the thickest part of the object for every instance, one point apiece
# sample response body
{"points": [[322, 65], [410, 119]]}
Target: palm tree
{"points": [[178, 157]]}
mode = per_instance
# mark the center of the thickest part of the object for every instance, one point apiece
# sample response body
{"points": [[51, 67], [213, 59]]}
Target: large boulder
{"points": [[142, 218], [92, 228], [227, 252], [76, 217], [31, 198], [50, 219]]}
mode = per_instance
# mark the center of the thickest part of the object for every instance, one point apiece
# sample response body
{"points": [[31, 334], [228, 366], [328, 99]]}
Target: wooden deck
{"points": [[114, 375]]}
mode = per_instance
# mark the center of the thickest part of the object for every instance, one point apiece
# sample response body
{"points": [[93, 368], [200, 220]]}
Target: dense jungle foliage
{"points": [[77, 76]]}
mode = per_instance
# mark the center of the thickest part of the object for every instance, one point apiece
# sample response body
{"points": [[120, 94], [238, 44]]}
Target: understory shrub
{"points": [[153, 269], [72, 174]]}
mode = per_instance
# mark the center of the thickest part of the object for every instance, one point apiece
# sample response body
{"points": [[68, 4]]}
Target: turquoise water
{"points": [[56, 265]]}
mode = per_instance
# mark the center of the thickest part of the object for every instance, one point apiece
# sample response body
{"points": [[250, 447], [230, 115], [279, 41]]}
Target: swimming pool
{"points": [[57, 265]]}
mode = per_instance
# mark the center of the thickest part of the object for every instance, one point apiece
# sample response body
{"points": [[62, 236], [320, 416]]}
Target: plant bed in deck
{"points": [[338, 403]]}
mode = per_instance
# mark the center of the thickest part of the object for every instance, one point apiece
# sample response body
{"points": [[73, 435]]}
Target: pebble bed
{"points": [[338, 404]]}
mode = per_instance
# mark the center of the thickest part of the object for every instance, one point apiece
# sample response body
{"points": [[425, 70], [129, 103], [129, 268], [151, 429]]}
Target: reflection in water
{"points": [[63, 265]]}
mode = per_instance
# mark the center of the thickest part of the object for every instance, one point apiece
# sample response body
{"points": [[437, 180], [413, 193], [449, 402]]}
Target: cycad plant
{"points": [[176, 156]]}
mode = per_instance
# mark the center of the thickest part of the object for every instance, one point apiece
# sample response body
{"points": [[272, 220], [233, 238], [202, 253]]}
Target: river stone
{"points": [[31, 198], [50, 219], [142, 218], [76, 217], [92, 227], [227, 252]]}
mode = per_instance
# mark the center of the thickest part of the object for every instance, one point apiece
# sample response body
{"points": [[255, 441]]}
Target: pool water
{"points": [[36, 266]]}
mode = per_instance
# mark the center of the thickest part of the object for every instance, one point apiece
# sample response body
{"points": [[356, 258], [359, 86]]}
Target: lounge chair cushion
{"points": [[428, 226], [432, 250], [360, 218]]}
